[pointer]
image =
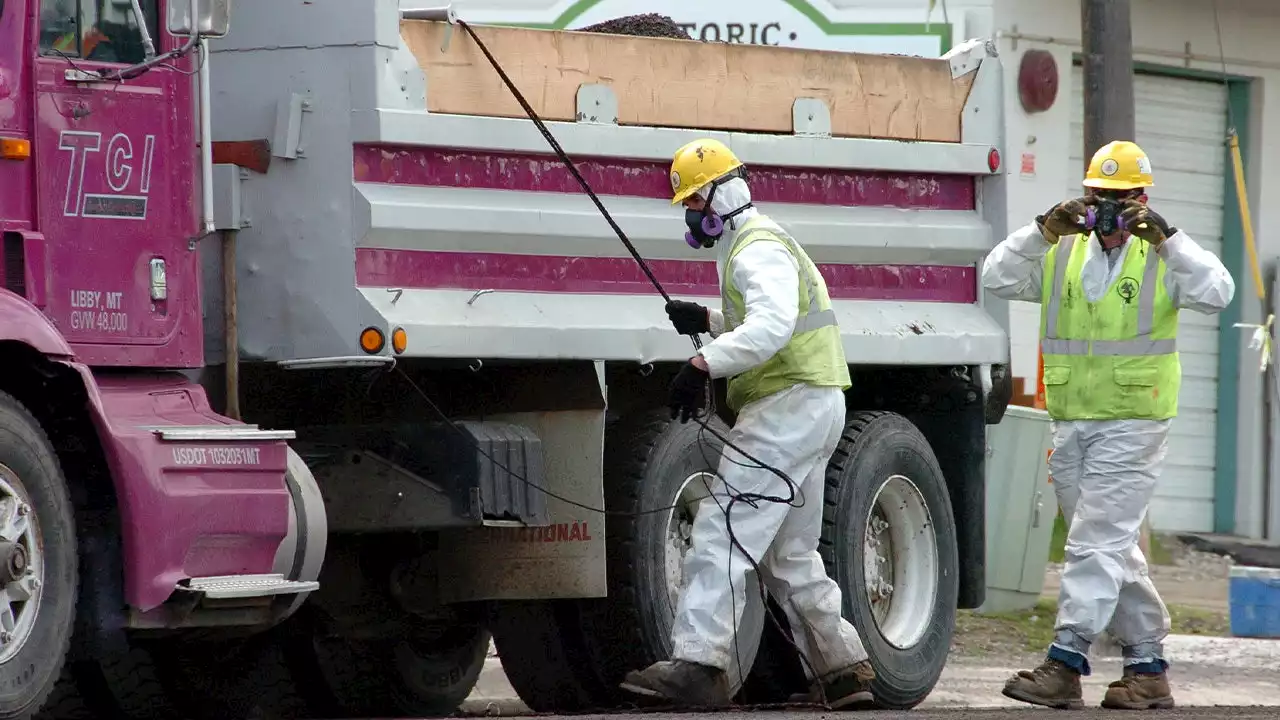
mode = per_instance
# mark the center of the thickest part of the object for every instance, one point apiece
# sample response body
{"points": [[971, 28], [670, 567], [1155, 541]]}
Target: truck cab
{"points": [[147, 511]]}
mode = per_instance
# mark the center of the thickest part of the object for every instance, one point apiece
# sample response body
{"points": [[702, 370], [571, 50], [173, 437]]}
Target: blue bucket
{"points": [[1254, 597]]}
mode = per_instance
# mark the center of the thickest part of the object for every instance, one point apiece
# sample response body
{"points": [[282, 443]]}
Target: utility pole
{"points": [[1108, 73], [1107, 37]]}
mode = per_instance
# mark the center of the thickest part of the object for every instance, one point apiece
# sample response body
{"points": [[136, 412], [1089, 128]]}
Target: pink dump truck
{"points": [[317, 368]]}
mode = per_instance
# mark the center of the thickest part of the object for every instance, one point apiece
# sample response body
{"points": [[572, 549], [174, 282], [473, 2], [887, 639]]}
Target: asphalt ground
{"points": [[1028, 713]]}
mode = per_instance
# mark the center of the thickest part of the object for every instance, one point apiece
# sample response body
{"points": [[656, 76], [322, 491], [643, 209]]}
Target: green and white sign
{"points": [[811, 24]]}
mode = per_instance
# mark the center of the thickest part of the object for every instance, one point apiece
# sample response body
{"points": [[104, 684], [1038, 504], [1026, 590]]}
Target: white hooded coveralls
{"points": [[795, 431], [1104, 471]]}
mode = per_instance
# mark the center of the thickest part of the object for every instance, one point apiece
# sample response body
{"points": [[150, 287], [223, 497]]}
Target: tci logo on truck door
{"points": [[125, 169]]}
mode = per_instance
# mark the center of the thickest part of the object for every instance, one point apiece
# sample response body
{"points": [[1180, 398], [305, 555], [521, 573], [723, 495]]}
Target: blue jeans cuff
{"points": [[1150, 668], [1146, 654], [1071, 659]]}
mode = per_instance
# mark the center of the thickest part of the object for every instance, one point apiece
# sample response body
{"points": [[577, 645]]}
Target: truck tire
{"points": [[225, 679], [652, 463], [888, 532], [127, 684], [65, 702], [542, 648], [412, 675], [38, 570]]}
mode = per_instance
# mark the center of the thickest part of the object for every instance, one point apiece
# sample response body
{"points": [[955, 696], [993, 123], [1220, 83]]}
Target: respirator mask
{"points": [[705, 226], [1104, 216]]}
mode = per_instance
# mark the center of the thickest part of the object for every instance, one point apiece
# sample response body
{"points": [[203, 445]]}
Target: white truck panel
{"points": [[478, 220], [409, 127], [449, 323]]}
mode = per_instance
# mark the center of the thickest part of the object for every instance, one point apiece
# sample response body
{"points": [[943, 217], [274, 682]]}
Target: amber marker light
{"points": [[399, 340], [14, 149], [371, 340]]}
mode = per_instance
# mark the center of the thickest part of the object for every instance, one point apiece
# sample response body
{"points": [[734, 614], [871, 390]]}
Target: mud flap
{"points": [[564, 559]]}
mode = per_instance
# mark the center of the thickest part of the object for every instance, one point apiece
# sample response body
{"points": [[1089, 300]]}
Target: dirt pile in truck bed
{"points": [[646, 25]]}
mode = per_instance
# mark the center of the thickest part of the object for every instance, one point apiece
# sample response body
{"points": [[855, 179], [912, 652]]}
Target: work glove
{"points": [[688, 392], [1065, 218], [1140, 220], [689, 318]]}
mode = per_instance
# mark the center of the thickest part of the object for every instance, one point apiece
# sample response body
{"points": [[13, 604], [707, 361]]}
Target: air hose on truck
{"points": [[447, 15]]}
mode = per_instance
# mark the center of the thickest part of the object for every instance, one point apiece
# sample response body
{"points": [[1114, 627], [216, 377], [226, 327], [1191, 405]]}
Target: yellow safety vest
{"points": [[1114, 359], [814, 355]]}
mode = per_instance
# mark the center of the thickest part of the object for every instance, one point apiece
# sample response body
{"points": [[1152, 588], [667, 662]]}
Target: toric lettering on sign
{"points": [[98, 311], [217, 456], [756, 33]]}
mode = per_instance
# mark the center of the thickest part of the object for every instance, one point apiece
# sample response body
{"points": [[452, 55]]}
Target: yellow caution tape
{"points": [[1261, 340]]}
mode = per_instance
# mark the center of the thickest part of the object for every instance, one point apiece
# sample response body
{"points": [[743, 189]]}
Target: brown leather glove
{"points": [[1144, 222], [1065, 218]]}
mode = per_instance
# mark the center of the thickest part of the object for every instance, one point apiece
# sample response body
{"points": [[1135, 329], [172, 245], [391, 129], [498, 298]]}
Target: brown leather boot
{"points": [[1054, 684], [680, 682], [841, 689], [1139, 691]]}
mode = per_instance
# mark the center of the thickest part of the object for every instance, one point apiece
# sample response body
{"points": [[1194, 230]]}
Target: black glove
{"points": [[688, 392], [1065, 218], [689, 318], [1144, 222]]}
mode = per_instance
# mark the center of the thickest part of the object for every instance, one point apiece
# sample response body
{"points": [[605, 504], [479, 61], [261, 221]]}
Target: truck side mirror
{"points": [[214, 17]]}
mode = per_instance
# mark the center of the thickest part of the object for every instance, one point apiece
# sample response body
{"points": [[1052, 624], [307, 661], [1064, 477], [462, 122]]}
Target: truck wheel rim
{"points": [[679, 542], [680, 530], [900, 562], [21, 565]]}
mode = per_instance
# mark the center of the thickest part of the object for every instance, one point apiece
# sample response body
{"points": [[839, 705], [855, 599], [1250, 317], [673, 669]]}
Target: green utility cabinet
{"points": [[1021, 508]]}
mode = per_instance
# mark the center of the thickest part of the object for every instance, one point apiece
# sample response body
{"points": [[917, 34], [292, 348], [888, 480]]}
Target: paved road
{"points": [[1207, 673], [1208, 713]]}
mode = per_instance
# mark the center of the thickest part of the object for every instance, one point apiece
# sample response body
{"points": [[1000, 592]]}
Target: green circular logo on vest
{"points": [[1127, 288]]}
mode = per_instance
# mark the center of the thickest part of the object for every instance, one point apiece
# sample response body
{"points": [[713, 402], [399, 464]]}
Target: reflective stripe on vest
{"points": [[1143, 344]]}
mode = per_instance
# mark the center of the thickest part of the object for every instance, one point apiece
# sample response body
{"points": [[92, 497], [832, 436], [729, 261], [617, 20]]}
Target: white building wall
{"points": [[1249, 29]]}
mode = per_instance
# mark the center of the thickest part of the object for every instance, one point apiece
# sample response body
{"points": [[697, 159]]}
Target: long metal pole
{"points": [[1108, 73], [230, 315]]}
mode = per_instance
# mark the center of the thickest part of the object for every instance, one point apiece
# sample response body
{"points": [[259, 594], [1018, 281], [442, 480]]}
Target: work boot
{"points": [[1054, 684], [851, 686], [680, 682], [1139, 691]]}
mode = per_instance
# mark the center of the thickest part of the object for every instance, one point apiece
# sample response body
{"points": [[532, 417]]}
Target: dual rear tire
{"points": [[888, 538]]}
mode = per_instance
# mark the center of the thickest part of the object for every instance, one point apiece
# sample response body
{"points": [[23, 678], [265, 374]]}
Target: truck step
{"points": [[227, 587], [219, 433]]}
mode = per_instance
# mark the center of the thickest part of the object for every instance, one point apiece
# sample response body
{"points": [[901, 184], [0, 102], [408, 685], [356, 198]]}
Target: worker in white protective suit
{"points": [[1111, 276], [777, 342]]}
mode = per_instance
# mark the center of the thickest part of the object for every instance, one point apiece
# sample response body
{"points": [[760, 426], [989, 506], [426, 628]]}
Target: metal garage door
{"points": [[1181, 124]]}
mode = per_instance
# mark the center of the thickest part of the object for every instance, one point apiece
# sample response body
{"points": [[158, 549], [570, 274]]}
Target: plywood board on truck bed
{"points": [[687, 84]]}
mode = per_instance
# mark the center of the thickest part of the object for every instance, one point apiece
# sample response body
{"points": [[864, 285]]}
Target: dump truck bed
{"points": [[423, 198]]}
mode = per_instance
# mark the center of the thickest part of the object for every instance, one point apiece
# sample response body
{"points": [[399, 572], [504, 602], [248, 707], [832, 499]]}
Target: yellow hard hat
{"points": [[1119, 165], [697, 164]]}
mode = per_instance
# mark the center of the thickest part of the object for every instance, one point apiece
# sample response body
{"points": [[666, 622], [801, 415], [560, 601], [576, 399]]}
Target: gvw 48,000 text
{"points": [[88, 311]]}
